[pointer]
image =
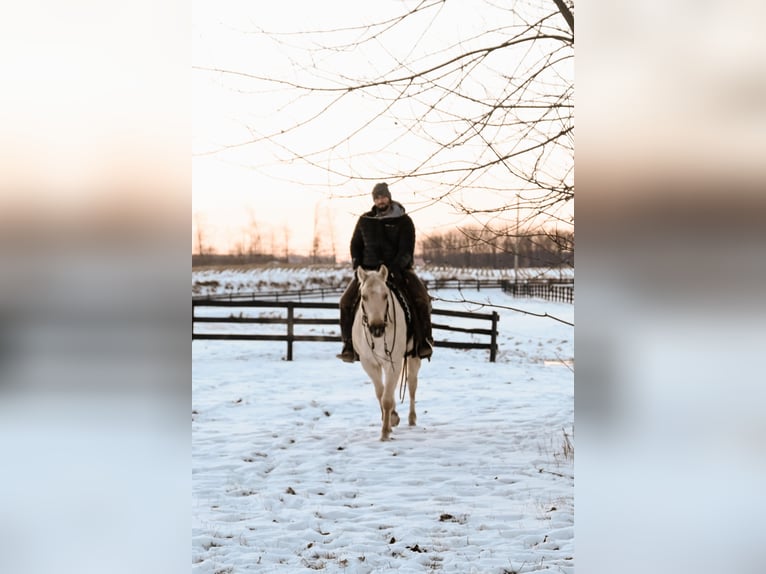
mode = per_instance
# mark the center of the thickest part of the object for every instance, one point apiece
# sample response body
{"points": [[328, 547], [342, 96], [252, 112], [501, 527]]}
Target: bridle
{"points": [[389, 320]]}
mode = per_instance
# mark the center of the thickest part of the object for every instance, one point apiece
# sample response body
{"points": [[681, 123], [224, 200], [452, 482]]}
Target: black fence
{"points": [[293, 317], [550, 289]]}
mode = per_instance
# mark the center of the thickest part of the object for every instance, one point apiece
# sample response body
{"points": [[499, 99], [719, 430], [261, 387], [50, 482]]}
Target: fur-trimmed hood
{"points": [[397, 210]]}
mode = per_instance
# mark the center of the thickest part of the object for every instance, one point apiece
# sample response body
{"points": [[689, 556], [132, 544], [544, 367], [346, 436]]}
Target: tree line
{"points": [[462, 247], [485, 247]]}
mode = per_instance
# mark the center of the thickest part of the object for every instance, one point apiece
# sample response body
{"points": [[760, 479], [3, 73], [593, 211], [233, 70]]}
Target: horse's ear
{"points": [[360, 274], [383, 272]]}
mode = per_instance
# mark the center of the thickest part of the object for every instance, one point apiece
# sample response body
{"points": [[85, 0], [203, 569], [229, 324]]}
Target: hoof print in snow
{"points": [[290, 490], [446, 517]]}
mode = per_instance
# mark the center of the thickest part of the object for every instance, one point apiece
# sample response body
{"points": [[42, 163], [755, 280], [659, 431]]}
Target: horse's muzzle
{"points": [[377, 329]]}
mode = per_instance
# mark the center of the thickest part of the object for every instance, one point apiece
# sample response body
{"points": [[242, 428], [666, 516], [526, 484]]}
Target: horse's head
{"points": [[374, 292]]}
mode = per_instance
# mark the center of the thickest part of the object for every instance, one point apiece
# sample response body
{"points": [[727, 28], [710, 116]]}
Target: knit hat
{"points": [[381, 189]]}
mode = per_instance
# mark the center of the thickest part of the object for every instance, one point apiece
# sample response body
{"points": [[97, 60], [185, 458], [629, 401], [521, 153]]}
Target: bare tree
{"points": [[323, 245], [286, 236], [253, 233], [330, 221], [481, 103], [272, 242], [200, 232], [316, 243]]}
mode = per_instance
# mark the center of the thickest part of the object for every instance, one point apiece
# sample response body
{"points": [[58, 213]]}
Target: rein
{"points": [[404, 376], [368, 335]]}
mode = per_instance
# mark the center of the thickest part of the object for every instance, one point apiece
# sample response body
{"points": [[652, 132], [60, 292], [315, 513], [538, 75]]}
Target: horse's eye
{"points": [[364, 297]]}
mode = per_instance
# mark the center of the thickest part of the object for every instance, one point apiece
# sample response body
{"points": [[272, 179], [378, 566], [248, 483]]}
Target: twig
{"points": [[481, 305], [560, 475]]}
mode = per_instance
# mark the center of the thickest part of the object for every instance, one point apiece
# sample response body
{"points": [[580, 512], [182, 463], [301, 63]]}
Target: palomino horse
{"points": [[379, 336]]}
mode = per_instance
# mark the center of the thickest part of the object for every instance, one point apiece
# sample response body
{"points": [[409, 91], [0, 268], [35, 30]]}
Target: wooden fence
{"points": [[551, 289], [291, 319]]}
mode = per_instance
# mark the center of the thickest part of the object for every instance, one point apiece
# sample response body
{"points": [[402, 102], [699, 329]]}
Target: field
{"points": [[288, 473], [247, 279]]}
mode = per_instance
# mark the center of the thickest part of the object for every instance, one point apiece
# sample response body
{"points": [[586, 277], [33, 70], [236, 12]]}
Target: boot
{"points": [[426, 347], [347, 355], [347, 307]]}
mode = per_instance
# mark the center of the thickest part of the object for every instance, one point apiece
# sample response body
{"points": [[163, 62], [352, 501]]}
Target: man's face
{"points": [[382, 202]]}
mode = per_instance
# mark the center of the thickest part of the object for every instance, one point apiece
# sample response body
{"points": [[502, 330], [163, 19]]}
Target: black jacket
{"points": [[388, 239]]}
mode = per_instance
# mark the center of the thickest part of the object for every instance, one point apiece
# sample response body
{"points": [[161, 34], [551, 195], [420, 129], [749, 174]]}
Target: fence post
{"points": [[289, 331], [493, 343]]}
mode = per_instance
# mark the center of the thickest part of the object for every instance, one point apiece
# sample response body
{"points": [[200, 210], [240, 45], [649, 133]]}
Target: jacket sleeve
{"points": [[357, 245], [406, 249]]}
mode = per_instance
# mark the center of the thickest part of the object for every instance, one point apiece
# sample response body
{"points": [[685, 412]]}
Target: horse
{"points": [[379, 336]]}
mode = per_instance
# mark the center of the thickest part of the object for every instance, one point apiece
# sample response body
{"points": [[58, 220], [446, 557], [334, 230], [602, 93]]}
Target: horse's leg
{"points": [[390, 416], [373, 371], [413, 367], [395, 377]]}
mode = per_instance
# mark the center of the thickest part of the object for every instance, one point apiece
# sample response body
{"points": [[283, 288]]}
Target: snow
{"points": [[288, 473], [232, 281]]}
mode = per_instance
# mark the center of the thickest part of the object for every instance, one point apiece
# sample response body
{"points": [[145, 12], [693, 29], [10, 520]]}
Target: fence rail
{"points": [[282, 295], [551, 289], [291, 320]]}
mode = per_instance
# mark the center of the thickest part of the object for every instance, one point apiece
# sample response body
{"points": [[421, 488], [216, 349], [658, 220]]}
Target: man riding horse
{"points": [[386, 235]]}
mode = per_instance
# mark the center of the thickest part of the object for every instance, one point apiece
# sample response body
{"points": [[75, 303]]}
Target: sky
{"points": [[289, 472], [234, 186]]}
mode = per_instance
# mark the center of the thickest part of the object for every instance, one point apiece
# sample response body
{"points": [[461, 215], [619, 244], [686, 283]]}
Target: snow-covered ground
{"points": [[209, 281], [289, 474]]}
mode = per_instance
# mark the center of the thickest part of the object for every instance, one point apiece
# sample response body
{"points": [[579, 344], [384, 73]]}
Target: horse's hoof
{"points": [[413, 421], [394, 419]]}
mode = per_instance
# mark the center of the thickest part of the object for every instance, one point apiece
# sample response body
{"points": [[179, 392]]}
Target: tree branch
{"points": [[566, 13]]}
